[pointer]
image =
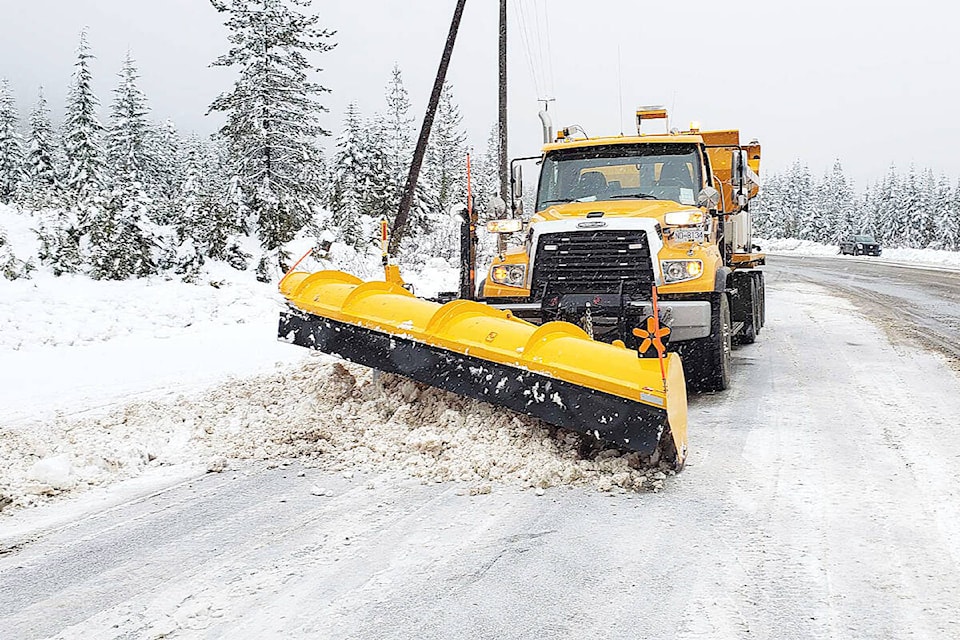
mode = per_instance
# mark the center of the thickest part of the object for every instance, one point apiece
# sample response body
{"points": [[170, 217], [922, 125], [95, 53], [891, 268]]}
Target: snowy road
{"points": [[821, 500], [921, 301]]}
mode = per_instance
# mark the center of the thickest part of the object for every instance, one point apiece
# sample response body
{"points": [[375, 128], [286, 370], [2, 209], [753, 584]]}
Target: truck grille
{"points": [[592, 262]]}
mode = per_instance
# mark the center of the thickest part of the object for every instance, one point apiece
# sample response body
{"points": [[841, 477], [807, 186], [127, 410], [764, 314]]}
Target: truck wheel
{"points": [[762, 298], [750, 326], [708, 359]]}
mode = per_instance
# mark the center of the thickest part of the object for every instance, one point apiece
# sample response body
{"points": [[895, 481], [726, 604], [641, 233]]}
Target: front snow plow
{"points": [[554, 372]]}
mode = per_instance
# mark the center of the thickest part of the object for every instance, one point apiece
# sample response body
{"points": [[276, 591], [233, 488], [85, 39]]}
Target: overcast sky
{"points": [[867, 82]]}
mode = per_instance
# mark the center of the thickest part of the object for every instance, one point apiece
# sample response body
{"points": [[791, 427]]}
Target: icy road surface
{"points": [[820, 500]]}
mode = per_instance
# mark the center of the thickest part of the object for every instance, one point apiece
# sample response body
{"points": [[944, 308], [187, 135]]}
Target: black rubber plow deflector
{"points": [[619, 421]]}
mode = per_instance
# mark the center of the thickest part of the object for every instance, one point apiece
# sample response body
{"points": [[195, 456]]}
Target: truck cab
{"points": [[617, 218]]}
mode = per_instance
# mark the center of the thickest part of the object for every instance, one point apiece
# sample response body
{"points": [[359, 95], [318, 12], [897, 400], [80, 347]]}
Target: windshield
{"points": [[863, 238], [639, 171]]}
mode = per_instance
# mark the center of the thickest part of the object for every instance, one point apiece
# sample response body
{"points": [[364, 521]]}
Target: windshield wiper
{"points": [[557, 201], [640, 196]]}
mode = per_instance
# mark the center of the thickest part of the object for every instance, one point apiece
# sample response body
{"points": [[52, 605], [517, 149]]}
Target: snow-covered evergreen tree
{"points": [[380, 191], [11, 146], [837, 202], [399, 135], [350, 181], [924, 219], [127, 137], [909, 211], [485, 174], [797, 203], [946, 217], [446, 153], [123, 241], [82, 131], [887, 214], [272, 114], [41, 169], [768, 209], [11, 267], [442, 182], [165, 170]]}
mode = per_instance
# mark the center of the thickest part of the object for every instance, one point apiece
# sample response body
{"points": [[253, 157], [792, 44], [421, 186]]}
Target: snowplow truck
{"points": [[619, 220], [553, 371]]}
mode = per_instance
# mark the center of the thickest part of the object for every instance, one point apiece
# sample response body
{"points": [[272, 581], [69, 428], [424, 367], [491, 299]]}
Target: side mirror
{"points": [[708, 197], [738, 160], [498, 206], [516, 181]]}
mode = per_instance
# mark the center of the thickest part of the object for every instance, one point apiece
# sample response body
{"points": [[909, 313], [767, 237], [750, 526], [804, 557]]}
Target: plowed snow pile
{"points": [[334, 416]]}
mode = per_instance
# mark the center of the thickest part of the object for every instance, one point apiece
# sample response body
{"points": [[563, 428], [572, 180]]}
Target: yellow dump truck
{"points": [[617, 217]]}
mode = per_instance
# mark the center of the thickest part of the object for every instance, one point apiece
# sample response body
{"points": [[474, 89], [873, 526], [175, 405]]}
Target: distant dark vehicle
{"points": [[860, 246]]}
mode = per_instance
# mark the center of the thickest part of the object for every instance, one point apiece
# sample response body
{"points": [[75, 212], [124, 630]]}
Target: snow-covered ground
{"points": [[819, 501], [919, 257], [106, 381]]}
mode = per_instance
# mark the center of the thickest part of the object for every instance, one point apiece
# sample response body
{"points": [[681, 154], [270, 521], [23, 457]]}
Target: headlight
{"points": [[859, 246], [684, 218], [508, 225], [511, 275], [681, 270]]}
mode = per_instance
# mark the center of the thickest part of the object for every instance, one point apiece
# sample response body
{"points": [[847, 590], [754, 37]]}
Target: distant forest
{"points": [[917, 210]]}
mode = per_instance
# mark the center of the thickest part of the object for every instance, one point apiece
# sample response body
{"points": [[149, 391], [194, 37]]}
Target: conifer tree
{"points": [[768, 210], [887, 216], [837, 200], [379, 191], [11, 146], [165, 169], [82, 131], [127, 138], [399, 135], [349, 181], [272, 114], [11, 267], [924, 219], [947, 217], [123, 241], [446, 154], [41, 167]]}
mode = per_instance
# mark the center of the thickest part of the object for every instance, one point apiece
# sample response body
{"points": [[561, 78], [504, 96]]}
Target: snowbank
{"points": [[75, 310], [325, 414], [926, 257]]}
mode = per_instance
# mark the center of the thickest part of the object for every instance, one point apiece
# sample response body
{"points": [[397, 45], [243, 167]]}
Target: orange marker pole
{"points": [[657, 344], [295, 265]]}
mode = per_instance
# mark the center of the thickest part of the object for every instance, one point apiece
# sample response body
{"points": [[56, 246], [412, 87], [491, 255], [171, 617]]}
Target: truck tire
{"points": [[762, 297], [754, 320], [748, 335], [707, 361]]}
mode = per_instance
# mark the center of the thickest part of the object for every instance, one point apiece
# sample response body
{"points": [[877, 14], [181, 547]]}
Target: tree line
{"points": [[916, 209], [133, 197]]}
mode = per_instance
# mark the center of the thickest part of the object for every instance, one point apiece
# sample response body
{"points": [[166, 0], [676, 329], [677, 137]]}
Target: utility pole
{"points": [[504, 166], [400, 222]]}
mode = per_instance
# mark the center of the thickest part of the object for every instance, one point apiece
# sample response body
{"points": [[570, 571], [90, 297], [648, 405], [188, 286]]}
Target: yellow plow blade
{"points": [[554, 372]]}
